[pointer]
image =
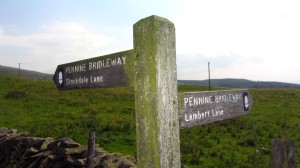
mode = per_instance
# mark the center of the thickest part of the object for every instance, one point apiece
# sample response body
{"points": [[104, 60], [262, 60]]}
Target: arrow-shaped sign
{"points": [[198, 108], [99, 72]]}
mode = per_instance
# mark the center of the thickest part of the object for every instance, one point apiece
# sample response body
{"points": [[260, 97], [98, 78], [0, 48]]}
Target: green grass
{"points": [[246, 141], [38, 107]]}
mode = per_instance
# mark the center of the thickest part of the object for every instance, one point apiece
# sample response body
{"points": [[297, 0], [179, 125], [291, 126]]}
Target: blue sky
{"points": [[256, 40]]}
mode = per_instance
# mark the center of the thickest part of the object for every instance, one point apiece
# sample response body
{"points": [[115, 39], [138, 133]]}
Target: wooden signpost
{"points": [[160, 110], [99, 72], [200, 108]]}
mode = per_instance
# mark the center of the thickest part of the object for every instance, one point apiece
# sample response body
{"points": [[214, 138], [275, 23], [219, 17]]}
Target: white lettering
{"points": [[195, 101], [106, 63], [124, 58], [113, 62], [190, 101], [119, 61], [77, 81], [186, 100], [217, 113], [228, 98], [96, 79], [196, 116], [75, 68]]}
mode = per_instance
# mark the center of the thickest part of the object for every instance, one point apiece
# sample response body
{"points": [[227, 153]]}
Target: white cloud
{"points": [[261, 38], [255, 39], [57, 43]]}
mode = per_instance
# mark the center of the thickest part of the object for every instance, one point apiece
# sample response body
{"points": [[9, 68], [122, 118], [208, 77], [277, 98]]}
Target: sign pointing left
{"points": [[99, 72]]}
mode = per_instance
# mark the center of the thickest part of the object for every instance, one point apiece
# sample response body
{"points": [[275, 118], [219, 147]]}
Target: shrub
{"points": [[248, 142], [16, 95]]}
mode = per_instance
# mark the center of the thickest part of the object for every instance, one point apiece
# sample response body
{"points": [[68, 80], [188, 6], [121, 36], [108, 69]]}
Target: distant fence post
{"points": [[156, 102], [283, 154], [90, 150]]}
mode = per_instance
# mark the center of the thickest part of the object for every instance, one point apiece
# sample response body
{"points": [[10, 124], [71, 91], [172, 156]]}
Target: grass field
{"points": [[38, 107]]}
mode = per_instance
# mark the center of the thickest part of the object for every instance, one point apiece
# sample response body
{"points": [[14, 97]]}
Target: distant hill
{"points": [[227, 83], [239, 83], [10, 71]]}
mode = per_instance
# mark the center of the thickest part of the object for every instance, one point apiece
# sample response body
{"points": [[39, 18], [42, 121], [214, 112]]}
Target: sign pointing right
{"points": [[198, 108]]}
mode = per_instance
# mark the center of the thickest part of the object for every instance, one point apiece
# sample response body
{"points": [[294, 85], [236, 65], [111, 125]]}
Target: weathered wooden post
{"points": [[283, 154], [156, 102], [90, 150]]}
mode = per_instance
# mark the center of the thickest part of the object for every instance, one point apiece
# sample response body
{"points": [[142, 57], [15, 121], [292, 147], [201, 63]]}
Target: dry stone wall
{"points": [[20, 150]]}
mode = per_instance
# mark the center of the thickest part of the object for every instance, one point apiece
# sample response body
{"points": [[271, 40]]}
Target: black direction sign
{"points": [[198, 108], [99, 72]]}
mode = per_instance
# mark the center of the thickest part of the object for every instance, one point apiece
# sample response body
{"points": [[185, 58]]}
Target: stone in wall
{"points": [[20, 150]]}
